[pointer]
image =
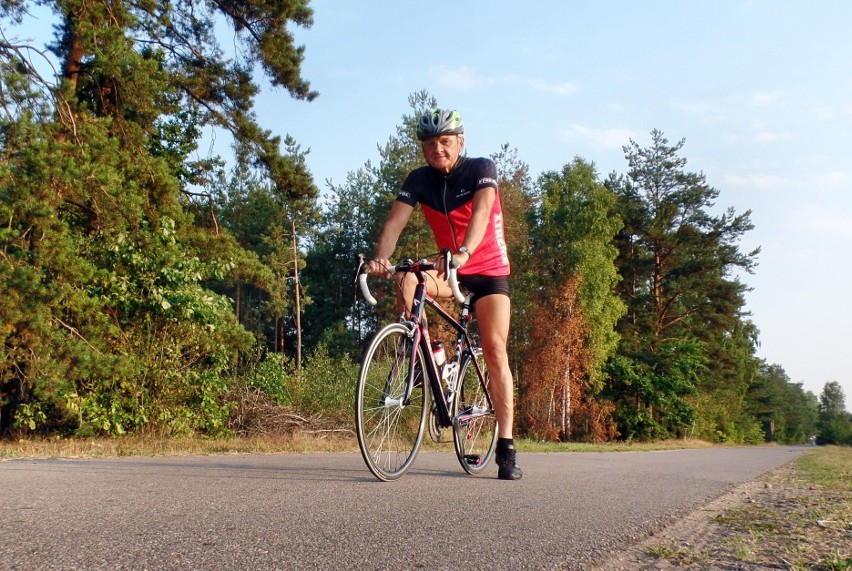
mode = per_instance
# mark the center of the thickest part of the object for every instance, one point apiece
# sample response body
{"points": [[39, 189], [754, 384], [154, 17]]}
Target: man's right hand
{"points": [[379, 267]]}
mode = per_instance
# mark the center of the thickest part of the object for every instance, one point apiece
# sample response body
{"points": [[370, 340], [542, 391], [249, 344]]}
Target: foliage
{"points": [[570, 247], [272, 377], [556, 403], [835, 424], [649, 390], [347, 222], [272, 228], [721, 402], [109, 323], [572, 232], [786, 412], [684, 304], [324, 385], [327, 384]]}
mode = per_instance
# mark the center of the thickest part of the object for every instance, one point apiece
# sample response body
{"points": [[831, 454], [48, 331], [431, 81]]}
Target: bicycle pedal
{"points": [[473, 459]]}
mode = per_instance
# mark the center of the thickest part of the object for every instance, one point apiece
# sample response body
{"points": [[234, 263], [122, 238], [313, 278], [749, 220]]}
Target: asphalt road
{"points": [[326, 511]]}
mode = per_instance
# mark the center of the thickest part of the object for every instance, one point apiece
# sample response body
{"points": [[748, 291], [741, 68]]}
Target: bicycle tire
{"points": [[389, 432], [436, 432], [474, 421]]}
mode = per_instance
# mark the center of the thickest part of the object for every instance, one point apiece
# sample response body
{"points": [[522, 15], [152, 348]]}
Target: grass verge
{"points": [[299, 441], [35, 448], [798, 517]]}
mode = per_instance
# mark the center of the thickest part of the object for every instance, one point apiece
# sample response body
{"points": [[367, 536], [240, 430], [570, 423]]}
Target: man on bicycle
{"points": [[460, 201]]}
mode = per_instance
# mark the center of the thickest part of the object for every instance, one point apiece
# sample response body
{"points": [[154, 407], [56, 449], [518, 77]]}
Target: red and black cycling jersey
{"points": [[447, 201]]}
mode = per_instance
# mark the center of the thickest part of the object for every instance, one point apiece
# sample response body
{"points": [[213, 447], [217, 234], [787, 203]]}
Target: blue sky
{"points": [[761, 91]]}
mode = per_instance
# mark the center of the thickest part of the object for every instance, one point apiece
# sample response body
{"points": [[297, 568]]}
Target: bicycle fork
{"points": [[408, 354], [405, 354]]}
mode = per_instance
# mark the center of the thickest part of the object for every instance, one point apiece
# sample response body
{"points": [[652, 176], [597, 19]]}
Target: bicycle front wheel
{"points": [[474, 422], [390, 428]]}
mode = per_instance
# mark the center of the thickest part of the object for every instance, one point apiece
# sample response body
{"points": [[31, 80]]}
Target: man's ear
{"points": [[461, 142]]}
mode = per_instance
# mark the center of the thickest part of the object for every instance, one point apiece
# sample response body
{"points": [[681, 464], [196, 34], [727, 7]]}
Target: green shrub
{"points": [[272, 376], [326, 384]]}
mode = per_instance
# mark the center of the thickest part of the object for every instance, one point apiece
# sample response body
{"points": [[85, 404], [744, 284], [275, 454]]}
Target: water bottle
{"points": [[438, 353]]}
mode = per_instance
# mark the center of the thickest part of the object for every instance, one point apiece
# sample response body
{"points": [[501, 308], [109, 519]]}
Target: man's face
{"points": [[443, 151]]}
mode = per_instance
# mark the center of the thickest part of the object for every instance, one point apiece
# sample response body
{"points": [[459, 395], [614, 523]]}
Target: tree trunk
{"points": [[70, 72], [565, 429], [275, 336], [551, 409], [237, 302], [74, 60], [298, 300]]}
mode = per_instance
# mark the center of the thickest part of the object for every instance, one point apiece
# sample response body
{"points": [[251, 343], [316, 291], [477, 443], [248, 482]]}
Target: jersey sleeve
{"points": [[486, 174], [408, 192]]}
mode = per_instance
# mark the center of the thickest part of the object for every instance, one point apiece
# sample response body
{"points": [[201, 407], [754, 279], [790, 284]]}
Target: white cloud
{"points": [[601, 138], [459, 78], [765, 182], [835, 178], [729, 137], [562, 88], [763, 134], [466, 79], [824, 113], [816, 218], [767, 97], [694, 107], [770, 137]]}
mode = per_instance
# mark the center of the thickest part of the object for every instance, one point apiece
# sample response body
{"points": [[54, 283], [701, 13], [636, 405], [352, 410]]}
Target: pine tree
{"points": [[684, 302], [108, 324]]}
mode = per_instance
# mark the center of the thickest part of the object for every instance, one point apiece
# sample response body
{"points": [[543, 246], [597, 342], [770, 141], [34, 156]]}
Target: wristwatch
{"points": [[464, 250]]}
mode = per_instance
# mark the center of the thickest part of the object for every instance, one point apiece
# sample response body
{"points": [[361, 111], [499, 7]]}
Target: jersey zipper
{"points": [[447, 214]]}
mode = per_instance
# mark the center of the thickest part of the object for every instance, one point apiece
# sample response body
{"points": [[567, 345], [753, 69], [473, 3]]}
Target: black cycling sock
{"points": [[504, 443]]}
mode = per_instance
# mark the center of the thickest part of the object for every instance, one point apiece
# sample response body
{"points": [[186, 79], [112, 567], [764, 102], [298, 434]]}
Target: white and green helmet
{"points": [[439, 122]]}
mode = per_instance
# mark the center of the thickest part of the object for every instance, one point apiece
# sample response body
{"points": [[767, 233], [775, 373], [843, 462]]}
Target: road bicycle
{"points": [[400, 383]]}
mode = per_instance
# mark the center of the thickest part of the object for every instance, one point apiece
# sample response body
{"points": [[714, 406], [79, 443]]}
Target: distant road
{"points": [[325, 511]]}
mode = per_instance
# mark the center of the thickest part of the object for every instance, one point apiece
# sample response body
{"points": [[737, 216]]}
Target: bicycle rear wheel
{"points": [[474, 422], [389, 430]]}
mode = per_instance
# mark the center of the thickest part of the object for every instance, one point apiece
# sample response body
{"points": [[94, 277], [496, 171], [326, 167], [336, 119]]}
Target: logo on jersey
{"points": [[486, 181], [501, 240]]}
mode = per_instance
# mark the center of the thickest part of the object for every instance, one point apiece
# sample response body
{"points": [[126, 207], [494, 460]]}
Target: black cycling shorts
{"points": [[480, 286]]}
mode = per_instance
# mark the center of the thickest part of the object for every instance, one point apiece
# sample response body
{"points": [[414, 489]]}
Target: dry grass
{"points": [[675, 444], [297, 441], [797, 517], [283, 431]]}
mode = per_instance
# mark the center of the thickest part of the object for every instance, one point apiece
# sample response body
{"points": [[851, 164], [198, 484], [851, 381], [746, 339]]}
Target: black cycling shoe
{"points": [[506, 467]]}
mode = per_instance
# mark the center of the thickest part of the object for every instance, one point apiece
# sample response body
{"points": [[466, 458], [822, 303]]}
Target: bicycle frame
{"points": [[463, 348]]}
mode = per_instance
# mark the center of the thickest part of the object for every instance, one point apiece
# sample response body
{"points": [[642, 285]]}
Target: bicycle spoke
{"points": [[389, 430], [474, 423]]}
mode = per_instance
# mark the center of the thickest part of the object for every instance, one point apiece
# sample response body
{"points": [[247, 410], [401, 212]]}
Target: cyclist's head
{"points": [[439, 122]]}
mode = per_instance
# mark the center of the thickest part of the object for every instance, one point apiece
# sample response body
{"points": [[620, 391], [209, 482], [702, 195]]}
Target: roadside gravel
{"points": [[779, 521]]}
